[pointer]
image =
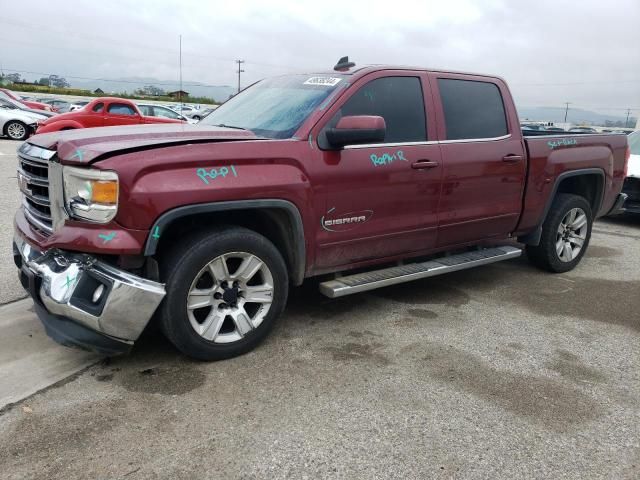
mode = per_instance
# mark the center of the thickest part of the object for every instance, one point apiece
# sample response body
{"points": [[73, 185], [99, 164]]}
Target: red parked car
{"points": [[101, 112], [35, 105]]}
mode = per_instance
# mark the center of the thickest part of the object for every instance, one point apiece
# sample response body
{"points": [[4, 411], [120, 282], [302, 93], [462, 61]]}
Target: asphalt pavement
{"points": [[10, 288], [499, 372]]}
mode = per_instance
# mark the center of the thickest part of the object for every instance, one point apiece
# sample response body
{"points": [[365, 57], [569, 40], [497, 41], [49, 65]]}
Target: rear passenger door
{"points": [[484, 163]]}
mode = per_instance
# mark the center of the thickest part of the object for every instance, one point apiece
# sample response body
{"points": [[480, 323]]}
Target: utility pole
{"points": [[626, 122], [180, 89], [239, 62], [566, 111]]}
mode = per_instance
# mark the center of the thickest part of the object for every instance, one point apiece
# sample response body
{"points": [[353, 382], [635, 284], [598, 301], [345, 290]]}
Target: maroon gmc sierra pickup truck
{"points": [[365, 176]]}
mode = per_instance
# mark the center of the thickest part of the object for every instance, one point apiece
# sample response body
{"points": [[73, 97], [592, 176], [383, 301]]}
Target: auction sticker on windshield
{"points": [[324, 81]]}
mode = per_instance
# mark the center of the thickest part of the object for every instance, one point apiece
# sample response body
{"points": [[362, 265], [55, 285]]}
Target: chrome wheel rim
{"points": [[16, 131], [571, 234], [230, 297]]}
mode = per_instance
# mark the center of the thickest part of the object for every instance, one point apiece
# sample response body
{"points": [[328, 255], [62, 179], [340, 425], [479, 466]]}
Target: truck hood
{"points": [[85, 145]]}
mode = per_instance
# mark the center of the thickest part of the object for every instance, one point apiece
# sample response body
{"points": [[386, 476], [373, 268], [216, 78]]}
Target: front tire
{"points": [[225, 289], [565, 234], [16, 130]]}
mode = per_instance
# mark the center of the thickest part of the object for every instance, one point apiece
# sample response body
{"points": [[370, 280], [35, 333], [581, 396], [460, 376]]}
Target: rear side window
{"points": [[146, 110], [396, 99], [98, 107], [121, 109], [472, 109]]}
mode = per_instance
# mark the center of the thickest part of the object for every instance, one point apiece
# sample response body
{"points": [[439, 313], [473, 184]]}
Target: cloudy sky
{"points": [[550, 51]]}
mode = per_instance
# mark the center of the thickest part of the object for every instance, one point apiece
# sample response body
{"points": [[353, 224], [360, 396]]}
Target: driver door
{"points": [[382, 199]]}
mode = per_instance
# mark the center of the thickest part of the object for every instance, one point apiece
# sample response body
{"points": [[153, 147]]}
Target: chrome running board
{"points": [[361, 282]]}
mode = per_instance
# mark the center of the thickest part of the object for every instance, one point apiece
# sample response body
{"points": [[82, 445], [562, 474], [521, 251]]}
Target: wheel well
{"points": [[589, 186], [273, 223], [6, 125]]}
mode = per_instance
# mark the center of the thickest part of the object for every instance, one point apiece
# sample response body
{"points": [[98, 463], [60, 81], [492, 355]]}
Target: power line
{"points": [[109, 41], [180, 89], [568, 84], [566, 111], [195, 84], [239, 62]]}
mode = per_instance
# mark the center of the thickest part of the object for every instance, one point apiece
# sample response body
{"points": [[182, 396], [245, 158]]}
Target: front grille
{"points": [[33, 179]]}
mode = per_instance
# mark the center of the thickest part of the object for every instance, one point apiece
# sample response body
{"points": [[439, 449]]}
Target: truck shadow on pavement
{"points": [[318, 336]]}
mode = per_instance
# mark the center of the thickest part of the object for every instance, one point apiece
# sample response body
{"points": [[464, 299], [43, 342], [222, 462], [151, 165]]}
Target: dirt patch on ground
{"points": [[570, 366], [554, 404], [359, 352]]}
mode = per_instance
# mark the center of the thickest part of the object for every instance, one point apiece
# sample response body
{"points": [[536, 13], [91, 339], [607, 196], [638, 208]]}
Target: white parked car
{"points": [[632, 183], [78, 105], [185, 110], [18, 124]]}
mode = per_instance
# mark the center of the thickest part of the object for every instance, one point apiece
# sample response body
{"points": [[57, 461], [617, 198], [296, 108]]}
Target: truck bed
{"points": [[555, 157]]}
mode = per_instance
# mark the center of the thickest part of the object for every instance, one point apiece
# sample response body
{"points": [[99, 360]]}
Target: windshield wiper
{"points": [[228, 126]]}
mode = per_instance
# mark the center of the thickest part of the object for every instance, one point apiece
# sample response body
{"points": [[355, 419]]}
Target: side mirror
{"points": [[357, 129]]}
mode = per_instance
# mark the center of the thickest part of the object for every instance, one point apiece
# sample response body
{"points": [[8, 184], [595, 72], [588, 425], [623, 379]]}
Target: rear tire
{"points": [[211, 279], [565, 234]]}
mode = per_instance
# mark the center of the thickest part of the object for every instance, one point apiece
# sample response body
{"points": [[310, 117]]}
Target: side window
{"points": [[472, 109], [146, 110], [166, 113], [121, 109], [98, 107], [398, 100]]}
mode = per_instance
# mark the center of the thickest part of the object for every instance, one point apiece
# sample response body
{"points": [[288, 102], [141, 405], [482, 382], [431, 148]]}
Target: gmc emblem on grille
{"points": [[23, 184]]}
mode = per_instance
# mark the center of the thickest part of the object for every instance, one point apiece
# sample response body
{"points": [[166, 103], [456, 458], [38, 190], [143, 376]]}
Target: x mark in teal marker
{"points": [[107, 238], [77, 155], [69, 281]]}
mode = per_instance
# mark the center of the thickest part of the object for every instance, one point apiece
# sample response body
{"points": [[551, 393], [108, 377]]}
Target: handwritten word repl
{"points": [[561, 142], [387, 158], [206, 175]]}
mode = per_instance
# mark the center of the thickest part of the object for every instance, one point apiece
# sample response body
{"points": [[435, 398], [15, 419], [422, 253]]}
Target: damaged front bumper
{"points": [[84, 302]]}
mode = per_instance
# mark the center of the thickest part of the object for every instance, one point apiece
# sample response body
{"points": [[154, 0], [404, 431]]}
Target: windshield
{"points": [[634, 143], [6, 104], [276, 107]]}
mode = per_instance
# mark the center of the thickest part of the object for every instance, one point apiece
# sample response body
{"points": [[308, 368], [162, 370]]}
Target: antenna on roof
{"points": [[343, 64]]}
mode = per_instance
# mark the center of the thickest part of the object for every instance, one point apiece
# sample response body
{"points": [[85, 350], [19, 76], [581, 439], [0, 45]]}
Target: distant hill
{"points": [[219, 93], [556, 114]]}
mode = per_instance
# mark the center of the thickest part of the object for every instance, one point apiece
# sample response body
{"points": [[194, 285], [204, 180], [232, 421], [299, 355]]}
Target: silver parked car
{"points": [[9, 103], [18, 124], [152, 110]]}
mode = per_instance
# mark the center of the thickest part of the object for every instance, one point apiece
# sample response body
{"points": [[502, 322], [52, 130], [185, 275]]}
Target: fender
{"points": [[57, 125], [298, 268], [533, 238]]}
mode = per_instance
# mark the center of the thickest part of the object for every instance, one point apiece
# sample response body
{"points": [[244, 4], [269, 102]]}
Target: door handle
{"points": [[424, 164], [512, 158]]}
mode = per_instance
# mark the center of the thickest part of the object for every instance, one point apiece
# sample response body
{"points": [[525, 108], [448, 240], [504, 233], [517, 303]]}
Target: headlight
{"points": [[91, 194]]}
